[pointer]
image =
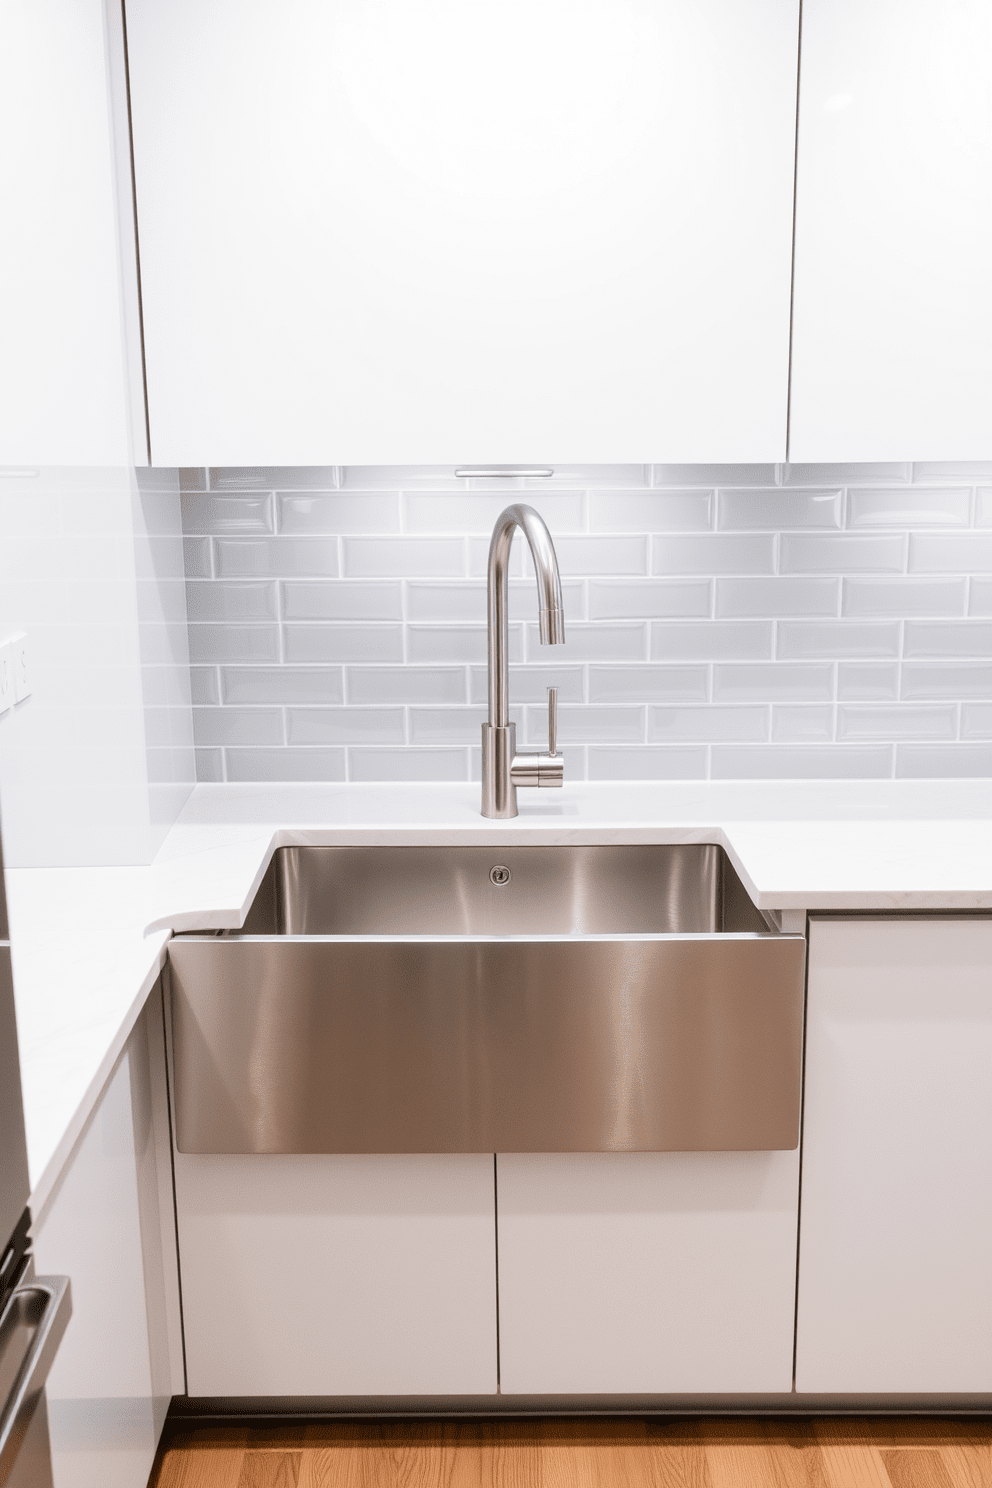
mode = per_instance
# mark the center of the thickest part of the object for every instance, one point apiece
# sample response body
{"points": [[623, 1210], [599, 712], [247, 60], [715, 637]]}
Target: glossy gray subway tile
{"points": [[713, 475], [903, 597], [227, 643], [948, 638], [711, 640], [648, 683], [775, 681], [943, 761], [345, 726], [801, 762], [216, 599], [976, 720], [405, 684], [840, 553], [285, 764], [651, 511], [861, 474], [912, 506], [196, 558], [192, 478], [529, 684], [952, 552], [587, 725], [980, 597], [209, 765], [237, 726], [276, 557], [898, 722], [778, 509], [206, 512], [464, 602], [456, 643], [463, 512], [647, 762], [952, 471], [274, 477], [621, 641], [204, 685], [836, 638], [600, 554], [777, 597], [714, 553], [330, 513], [453, 725], [342, 599], [712, 723], [410, 763], [648, 599], [333, 642], [403, 557], [983, 506], [945, 679], [802, 723], [281, 684], [868, 681]]}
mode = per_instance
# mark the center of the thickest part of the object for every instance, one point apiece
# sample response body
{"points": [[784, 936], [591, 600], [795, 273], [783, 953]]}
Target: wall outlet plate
{"points": [[22, 675], [6, 677]]}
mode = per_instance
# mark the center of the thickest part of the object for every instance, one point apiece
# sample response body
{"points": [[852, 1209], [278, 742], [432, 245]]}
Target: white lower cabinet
{"points": [[106, 1229], [656, 1273], [895, 1285], [333, 1276]]}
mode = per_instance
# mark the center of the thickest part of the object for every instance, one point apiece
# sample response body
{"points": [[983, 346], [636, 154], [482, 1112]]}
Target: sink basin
{"points": [[519, 999]]}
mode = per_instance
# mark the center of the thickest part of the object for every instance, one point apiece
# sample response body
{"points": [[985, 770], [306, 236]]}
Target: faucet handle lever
{"points": [[552, 720]]}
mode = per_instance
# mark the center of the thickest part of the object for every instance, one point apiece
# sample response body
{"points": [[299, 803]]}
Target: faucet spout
{"points": [[502, 768]]}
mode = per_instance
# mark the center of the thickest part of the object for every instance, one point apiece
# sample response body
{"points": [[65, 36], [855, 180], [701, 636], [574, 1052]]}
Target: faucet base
{"points": [[499, 793]]}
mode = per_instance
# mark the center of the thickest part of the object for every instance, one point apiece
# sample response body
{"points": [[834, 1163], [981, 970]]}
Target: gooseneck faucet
{"points": [[503, 769]]}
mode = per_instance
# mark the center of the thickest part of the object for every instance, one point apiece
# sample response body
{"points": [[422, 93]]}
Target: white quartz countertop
{"points": [[89, 943]]}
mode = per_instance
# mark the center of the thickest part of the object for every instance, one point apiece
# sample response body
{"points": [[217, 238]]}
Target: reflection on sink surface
{"points": [[610, 890], [511, 999]]}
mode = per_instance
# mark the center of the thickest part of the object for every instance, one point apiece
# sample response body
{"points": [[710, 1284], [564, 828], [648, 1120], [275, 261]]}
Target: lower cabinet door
{"points": [[895, 1280], [331, 1276], [647, 1273]]}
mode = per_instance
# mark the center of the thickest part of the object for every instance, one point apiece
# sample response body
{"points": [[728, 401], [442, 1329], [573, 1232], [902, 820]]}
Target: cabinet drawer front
{"points": [[359, 1045]]}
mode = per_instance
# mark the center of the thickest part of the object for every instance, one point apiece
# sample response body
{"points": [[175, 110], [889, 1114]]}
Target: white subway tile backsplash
{"points": [[616, 762], [342, 599], [406, 557], [309, 643], [217, 600], [836, 638], [801, 723], [945, 638], [827, 552], [744, 598], [935, 761], [954, 472], [909, 596], [647, 599], [407, 764], [285, 764], [797, 621], [651, 511], [713, 554], [278, 557], [868, 681], [407, 684], [326, 514], [935, 552], [801, 762], [624, 684], [716, 723], [283, 684], [896, 723], [345, 726], [777, 510], [237, 726], [713, 640], [208, 513], [912, 507]]}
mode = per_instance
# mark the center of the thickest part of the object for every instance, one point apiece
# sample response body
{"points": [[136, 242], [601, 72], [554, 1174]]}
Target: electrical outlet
{"points": [[6, 678], [18, 648]]}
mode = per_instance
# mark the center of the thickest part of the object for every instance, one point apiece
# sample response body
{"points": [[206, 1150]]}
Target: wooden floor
{"points": [[583, 1454]]}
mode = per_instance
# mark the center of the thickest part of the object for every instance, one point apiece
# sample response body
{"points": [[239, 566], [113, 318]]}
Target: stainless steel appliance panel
{"points": [[14, 1182], [627, 1043], [31, 1330]]}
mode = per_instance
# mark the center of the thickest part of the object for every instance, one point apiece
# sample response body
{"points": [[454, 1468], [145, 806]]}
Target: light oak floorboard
{"points": [[581, 1454]]}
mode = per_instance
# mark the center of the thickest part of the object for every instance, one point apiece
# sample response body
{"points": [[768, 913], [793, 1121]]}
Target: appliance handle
{"points": [[18, 1408]]}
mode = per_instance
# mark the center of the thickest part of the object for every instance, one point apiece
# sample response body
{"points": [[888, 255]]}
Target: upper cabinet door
{"points": [[407, 231], [892, 328]]}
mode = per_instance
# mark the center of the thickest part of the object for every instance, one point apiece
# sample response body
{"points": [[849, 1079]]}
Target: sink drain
{"points": [[499, 875]]}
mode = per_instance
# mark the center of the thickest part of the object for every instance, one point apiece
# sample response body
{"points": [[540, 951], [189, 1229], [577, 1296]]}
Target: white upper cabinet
{"points": [[450, 231], [892, 328]]}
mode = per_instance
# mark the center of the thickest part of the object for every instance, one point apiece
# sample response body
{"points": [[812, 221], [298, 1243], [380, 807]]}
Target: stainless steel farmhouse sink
{"points": [[477, 999]]}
